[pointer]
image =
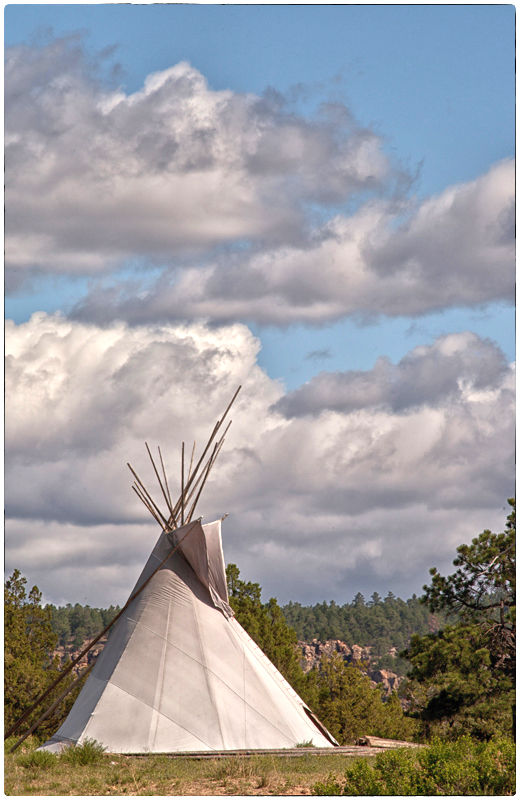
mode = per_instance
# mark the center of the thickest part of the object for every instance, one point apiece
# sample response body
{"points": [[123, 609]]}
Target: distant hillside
{"points": [[381, 624]]}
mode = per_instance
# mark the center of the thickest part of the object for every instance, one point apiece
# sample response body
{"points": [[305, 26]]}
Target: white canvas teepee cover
{"points": [[179, 673]]}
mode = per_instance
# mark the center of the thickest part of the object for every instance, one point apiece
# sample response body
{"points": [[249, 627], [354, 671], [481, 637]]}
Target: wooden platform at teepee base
{"points": [[385, 744], [354, 750]]}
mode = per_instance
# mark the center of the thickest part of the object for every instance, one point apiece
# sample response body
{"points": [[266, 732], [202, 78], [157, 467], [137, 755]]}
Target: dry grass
{"points": [[263, 775]]}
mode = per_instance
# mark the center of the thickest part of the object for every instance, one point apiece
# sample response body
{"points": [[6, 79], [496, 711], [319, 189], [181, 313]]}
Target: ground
{"points": [[159, 775]]}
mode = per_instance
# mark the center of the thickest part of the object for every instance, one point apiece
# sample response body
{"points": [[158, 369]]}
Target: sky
{"points": [[315, 202]]}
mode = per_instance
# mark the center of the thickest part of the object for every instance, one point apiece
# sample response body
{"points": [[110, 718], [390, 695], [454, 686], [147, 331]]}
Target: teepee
{"points": [[179, 673]]}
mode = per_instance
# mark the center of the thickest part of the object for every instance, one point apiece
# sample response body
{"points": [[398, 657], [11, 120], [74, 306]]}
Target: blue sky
{"points": [[331, 183]]}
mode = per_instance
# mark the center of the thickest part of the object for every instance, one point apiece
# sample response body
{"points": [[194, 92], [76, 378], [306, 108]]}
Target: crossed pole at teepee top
{"points": [[181, 512]]}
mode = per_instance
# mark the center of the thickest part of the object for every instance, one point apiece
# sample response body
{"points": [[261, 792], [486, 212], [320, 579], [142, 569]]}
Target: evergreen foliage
{"points": [[344, 699], [73, 624], [29, 641], [483, 590], [455, 687], [29, 667], [462, 679], [382, 623]]}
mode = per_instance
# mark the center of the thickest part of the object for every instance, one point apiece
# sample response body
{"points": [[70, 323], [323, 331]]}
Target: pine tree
{"points": [[350, 706], [462, 679], [29, 666], [29, 642]]}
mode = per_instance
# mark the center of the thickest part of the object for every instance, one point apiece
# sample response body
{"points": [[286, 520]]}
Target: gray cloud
{"points": [[456, 249], [96, 176], [463, 239], [318, 355], [434, 374], [369, 496]]}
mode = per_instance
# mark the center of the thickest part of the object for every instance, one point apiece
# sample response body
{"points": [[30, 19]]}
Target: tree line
{"points": [[379, 623], [461, 680], [73, 624]]}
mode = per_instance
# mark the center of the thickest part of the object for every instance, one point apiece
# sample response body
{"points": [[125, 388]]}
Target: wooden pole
{"points": [[147, 493], [191, 462], [146, 503], [178, 504], [209, 467], [195, 485], [53, 685], [210, 441], [170, 506], [180, 507], [182, 485], [206, 474], [157, 475]]}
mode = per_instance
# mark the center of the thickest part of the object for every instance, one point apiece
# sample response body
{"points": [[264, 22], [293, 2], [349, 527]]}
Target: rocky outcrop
{"points": [[390, 680], [68, 654], [312, 653]]}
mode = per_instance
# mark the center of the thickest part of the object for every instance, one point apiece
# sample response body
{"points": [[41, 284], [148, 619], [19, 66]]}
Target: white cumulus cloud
{"points": [[455, 250], [97, 176], [350, 488], [182, 202]]}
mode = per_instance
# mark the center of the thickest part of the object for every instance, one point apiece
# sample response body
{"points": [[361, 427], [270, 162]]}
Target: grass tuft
{"points": [[89, 752], [40, 759]]}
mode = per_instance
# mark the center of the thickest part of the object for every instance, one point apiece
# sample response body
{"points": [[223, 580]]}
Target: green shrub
{"points": [[41, 759], [469, 767], [463, 767], [329, 789], [89, 752]]}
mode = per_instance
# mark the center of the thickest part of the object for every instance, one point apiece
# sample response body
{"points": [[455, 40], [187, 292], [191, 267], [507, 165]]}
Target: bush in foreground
{"points": [[464, 767]]}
